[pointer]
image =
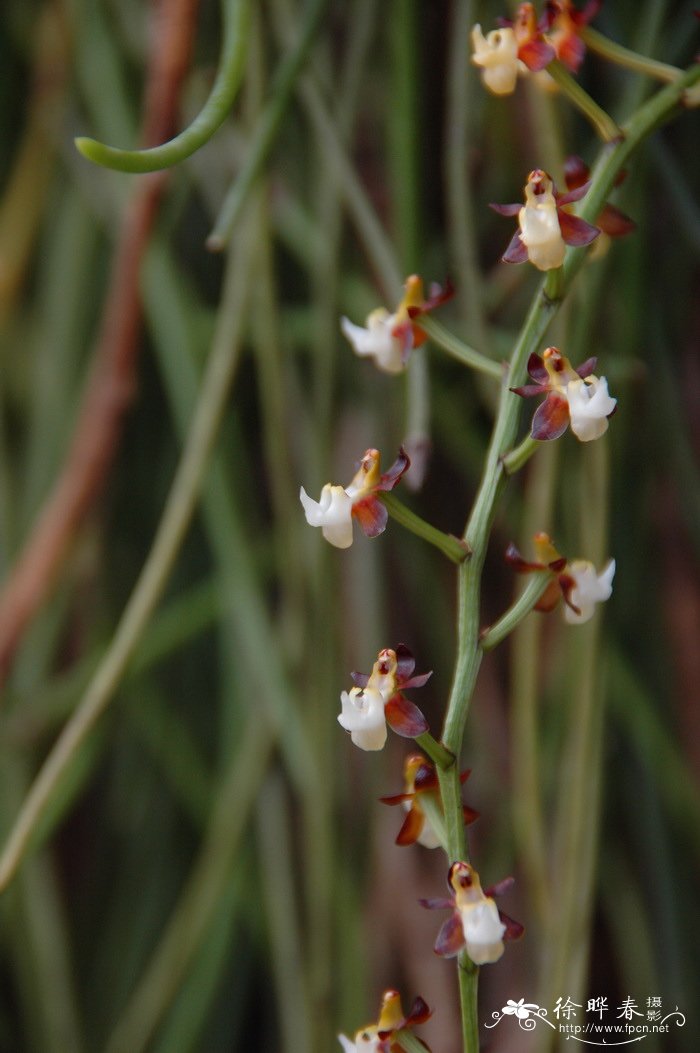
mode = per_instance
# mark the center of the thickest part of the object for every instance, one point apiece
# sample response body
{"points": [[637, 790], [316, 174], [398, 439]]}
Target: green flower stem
{"points": [[518, 457], [408, 1041], [515, 614], [268, 127], [623, 56], [236, 22], [444, 339], [601, 121], [435, 750], [554, 284], [450, 546]]}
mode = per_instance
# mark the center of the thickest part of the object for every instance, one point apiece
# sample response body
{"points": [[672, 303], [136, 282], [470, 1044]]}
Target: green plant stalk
{"points": [[235, 16], [602, 122], [450, 546], [627, 58], [445, 340], [468, 658], [268, 127], [435, 750], [525, 603], [517, 458]]}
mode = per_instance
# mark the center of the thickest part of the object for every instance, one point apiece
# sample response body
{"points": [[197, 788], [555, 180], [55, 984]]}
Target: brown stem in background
{"points": [[111, 385]]}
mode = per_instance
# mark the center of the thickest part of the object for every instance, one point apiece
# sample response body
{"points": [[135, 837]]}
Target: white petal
{"points": [[541, 234], [362, 714], [347, 1044], [377, 340], [497, 55], [590, 588], [589, 407], [333, 513], [483, 931], [427, 837]]}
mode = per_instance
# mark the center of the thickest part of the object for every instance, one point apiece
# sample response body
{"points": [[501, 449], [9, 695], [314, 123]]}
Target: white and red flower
{"points": [[377, 700], [383, 1037], [515, 47], [421, 782], [574, 397], [578, 583]]}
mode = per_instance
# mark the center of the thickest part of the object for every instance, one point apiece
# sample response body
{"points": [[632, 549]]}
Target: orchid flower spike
{"points": [[390, 338], [338, 505], [575, 397], [421, 781], [475, 924], [377, 700], [517, 46], [383, 1036], [577, 582], [545, 227]]}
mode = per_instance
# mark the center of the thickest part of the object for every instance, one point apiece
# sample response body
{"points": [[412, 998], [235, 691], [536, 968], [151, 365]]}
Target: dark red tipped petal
{"points": [[411, 828], [499, 888], [360, 679], [450, 939], [549, 598], [425, 778], [572, 52], [418, 1014], [587, 367], [404, 718], [439, 903], [506, 210], [514, 929], [575, 194], [470, 814], [576, 172], [575, 231], [614, 222], [536, 54], [438, 295], [516, 251], [514, 559], [416, 681], [537, 369], [527, 391], [464, 775], [390, 478], [371, 515], [557, 565], [551, 419], [588, 13], [405, 662], [396, 798]]}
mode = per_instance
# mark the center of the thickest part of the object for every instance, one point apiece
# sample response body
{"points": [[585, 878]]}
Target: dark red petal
{"points": [[575, 231], [614, 222], [588, 13], [411, 828], [450, 939], [470, 814], [360, 679], [549, 598], [396, 798], [390, 478], [441, 903], [572, 52], [404, 718], [425, 778], [506, 210], [416, 681], [405, 662], [500, 887], [438, 295], [516, 251], [527, 391], [514, 559], [551, 418], [371, 515], [576, 172], [536, 54], [537, 369], [465, 775], [575, 194], [557, 565], [514, 929], [587, 367], [418, 1014]]}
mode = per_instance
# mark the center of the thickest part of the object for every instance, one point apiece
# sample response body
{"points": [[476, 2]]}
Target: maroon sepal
{"points": [[536, 55], [587, 367], [405, 662], [470, 815], [576, 231], [572, 53], [537, 369], [516, 251], [528, 391], [418, 1013], [575, 193], [464, 775], [506, 210], [425, 778], [499, 888], [439, 903], [404, 717], [450, 939], [396, 798], [514, 929], [411, 828], [360, 679], [514, 559], [576, 172], [551, 419], [615, 223], [372, 516], [390, 478]]}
